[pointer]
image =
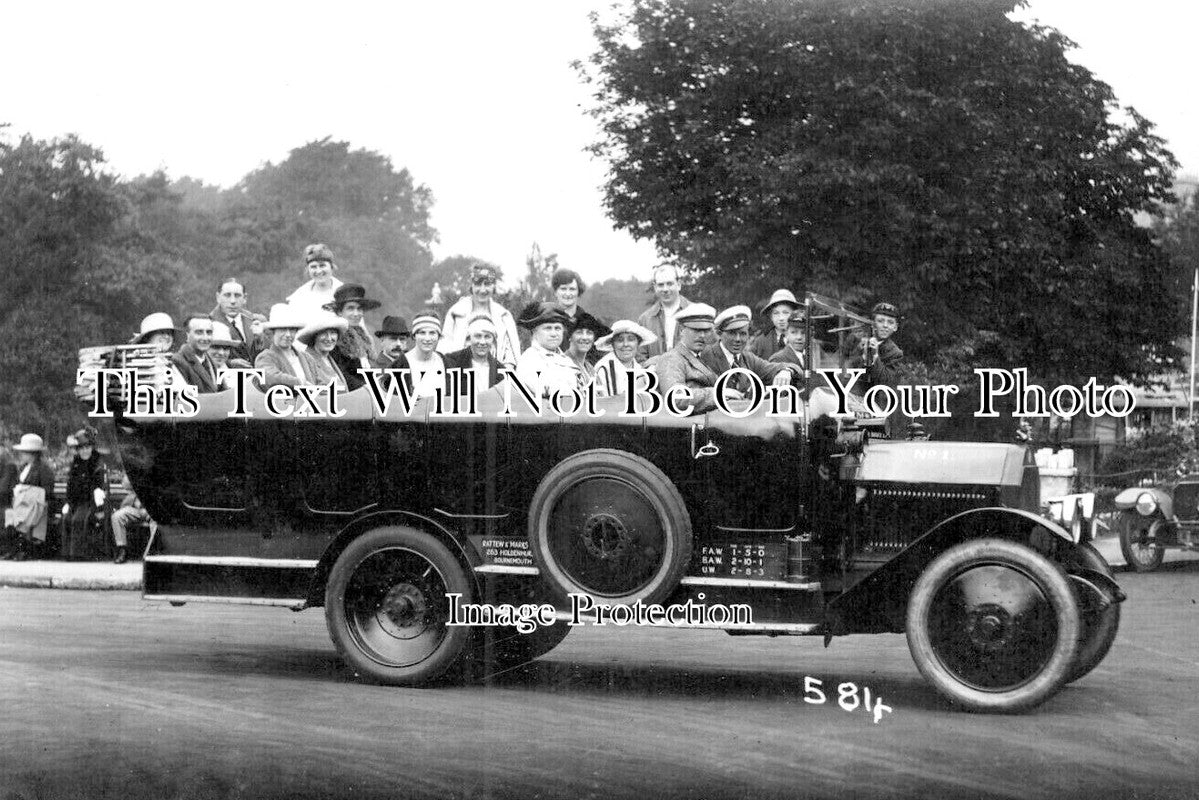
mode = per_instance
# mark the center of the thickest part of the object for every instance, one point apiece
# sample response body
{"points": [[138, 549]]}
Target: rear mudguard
{"points": [[878, 603]]}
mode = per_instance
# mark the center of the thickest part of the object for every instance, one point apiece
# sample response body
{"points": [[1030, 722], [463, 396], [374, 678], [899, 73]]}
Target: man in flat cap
{"points": [[681, 365], [877, 354], [732, 327]]}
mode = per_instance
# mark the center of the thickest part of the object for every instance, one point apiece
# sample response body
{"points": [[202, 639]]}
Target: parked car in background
{"points": [[1156, 518]]}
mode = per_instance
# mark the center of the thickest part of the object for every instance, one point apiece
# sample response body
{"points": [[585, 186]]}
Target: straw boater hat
{"points": [[780, 297], [158, 321], [350, 293], [541, 313], [322, 322], [393, 326], [733, 318], [646, 336], [696, 312], [222, 336], [30, 443], [283, 316]]}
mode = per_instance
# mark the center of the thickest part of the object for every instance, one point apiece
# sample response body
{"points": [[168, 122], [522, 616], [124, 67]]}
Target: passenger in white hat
{"points": [[26, 515], [320, 335], [220, 352], [157, 329], [732, 326], [282, 363], [779, 309], [621, 345], [681, 366], [478, 355]]}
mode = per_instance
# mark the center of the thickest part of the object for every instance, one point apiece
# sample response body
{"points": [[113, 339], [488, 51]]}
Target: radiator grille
{"points": [[1186, 501], [894, 517]]}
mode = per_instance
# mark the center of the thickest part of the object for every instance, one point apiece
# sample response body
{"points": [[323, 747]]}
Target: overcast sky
{"points": [[477, 99]]}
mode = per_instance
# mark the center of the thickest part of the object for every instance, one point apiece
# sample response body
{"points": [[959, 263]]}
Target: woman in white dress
{"points": [[311, 298], [621, 347], [479, 301]]}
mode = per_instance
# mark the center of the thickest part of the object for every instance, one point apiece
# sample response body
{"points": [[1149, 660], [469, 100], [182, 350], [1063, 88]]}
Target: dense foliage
{"points": [[937, 154]]}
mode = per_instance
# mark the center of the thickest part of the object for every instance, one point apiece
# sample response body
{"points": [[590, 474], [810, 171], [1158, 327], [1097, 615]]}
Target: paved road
{"points": [[104, 695]]}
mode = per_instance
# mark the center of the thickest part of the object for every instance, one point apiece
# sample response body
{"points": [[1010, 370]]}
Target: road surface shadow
{"points": [[633, 679]]}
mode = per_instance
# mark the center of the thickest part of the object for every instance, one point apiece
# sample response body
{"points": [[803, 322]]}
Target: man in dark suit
{"points": [[476, 356], [795, 343], [732, 326], [394, 340], [192, 360], [681, 365], [244, 326]]}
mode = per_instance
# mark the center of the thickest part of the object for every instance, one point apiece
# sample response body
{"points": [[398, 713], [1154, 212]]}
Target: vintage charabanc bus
{"points": [[393, 522]]}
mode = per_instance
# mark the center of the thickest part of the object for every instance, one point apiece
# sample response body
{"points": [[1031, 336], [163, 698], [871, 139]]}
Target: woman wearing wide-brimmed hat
{"points": [[354, 347], [85, 523], [320, 335], [621, 346], [282, 363], [31, 498], [580, 344], [543, 367], [158, 329]]}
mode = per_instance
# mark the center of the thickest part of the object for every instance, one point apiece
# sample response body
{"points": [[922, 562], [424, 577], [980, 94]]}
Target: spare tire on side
{"points": [[610, 525]]}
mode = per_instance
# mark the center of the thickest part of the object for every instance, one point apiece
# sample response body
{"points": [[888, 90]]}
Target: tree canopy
{"points": [[938, 155]]}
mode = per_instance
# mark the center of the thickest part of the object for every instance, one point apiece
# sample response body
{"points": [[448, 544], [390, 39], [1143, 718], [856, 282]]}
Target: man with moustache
{"points": [[394, 340]]}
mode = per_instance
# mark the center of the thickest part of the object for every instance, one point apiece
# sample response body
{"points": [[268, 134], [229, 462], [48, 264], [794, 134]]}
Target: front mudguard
{"points": [[878, 603]]}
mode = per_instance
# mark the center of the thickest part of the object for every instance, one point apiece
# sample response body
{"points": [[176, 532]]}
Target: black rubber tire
{"points": [[1100, 612], [611, 525], [1141, 556], [386, 606], [994, 626]]}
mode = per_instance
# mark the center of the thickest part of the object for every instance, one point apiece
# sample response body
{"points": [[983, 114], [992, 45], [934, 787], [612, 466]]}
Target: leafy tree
{"points": [[79, 268], [939, 155]]}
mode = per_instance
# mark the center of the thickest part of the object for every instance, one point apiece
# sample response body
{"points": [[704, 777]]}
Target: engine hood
{"points": [[961, 463]]}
